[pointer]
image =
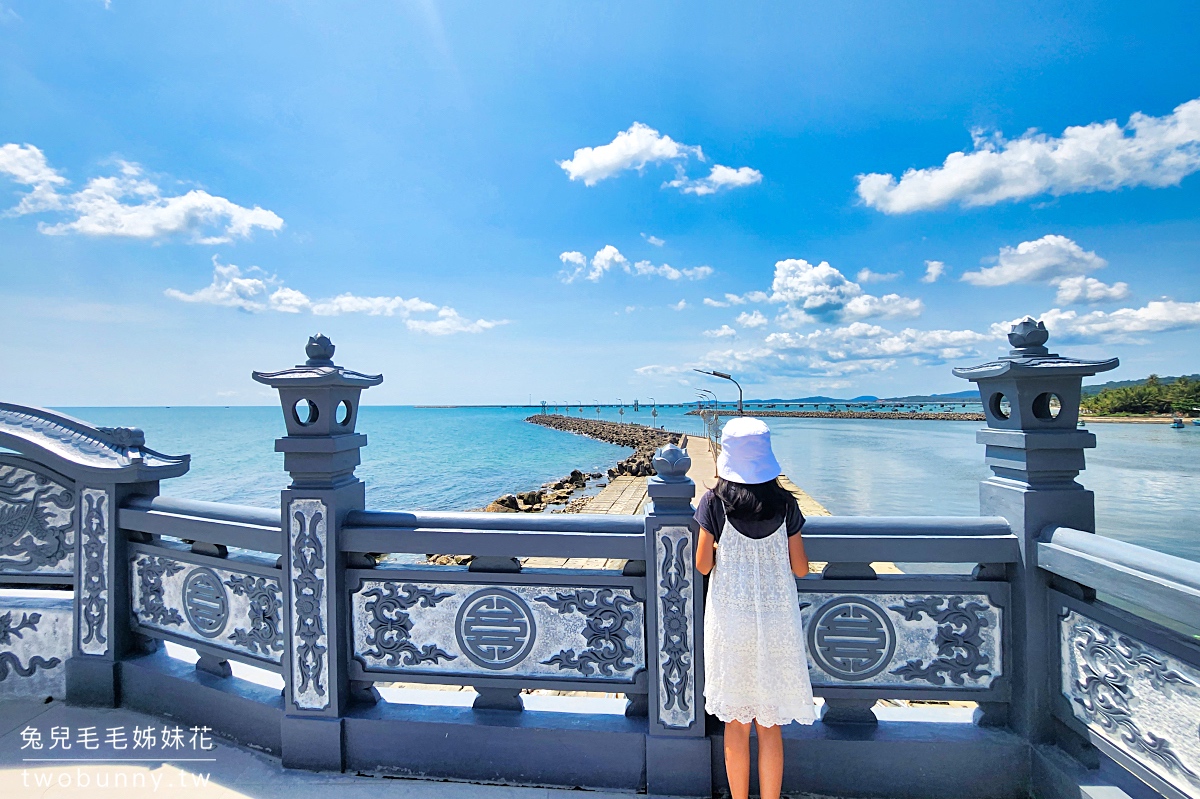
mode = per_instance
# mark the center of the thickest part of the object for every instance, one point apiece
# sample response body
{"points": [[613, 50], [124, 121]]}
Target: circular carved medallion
{"points": [[495, 628], [205, 602], [851, 638]]}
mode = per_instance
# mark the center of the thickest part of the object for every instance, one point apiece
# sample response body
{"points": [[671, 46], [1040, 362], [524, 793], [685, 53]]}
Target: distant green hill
{"points": [[1092, 390]]}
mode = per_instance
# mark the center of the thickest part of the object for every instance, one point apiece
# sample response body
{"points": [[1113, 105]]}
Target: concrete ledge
{"points": [[236, 709], [896, 760], [524, 748]]}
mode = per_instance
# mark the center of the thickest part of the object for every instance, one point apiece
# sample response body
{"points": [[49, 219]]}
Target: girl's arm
{"points": [[705, 546], [795, 554]]}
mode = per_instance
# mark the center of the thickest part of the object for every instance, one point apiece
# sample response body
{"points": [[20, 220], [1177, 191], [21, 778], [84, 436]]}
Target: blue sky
{"points": [[584, 201]]}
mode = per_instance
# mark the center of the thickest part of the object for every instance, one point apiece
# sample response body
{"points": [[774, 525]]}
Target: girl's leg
{"points": [[770, 761], [737, 758]]}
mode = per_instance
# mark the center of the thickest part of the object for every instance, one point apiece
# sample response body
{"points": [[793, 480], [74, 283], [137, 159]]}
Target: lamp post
{"points": [[729, 377], [653, 412], [621, 411]]}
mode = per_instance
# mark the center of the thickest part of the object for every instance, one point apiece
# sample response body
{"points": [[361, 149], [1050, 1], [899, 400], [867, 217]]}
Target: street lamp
{"points": [[653, 412], [728, 377], [621, 402]]}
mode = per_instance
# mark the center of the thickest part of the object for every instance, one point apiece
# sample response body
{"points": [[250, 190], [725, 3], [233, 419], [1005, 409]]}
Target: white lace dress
{"points": [[755, 659]]}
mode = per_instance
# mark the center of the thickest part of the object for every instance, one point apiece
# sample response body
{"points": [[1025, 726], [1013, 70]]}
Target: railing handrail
{"points": [[927, 526], [503, 543], [479, 520], [240, 526], [1166, 584]]}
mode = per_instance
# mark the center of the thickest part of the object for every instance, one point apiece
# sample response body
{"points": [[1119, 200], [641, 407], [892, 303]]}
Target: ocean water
{"points": [[1146, 477]]}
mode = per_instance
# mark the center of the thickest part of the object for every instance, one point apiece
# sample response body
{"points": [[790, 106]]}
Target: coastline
{"points": [[923, 416]]}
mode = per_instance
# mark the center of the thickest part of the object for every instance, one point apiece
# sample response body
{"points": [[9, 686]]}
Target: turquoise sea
{"points": [[1145, 476]]}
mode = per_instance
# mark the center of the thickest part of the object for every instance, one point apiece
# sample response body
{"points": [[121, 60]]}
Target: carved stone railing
{"points": [[1074, 647], [1129, 684]]}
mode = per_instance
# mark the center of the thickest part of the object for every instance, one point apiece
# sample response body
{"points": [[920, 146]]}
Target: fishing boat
{"points": [[1177, 423]]}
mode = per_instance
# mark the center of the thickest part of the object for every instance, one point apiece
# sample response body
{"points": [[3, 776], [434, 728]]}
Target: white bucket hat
{"points": [[746, 455]]}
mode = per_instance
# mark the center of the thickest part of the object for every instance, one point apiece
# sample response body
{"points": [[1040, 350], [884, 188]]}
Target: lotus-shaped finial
{"points": [[672, 463], [1028, 334], [319, 350]]}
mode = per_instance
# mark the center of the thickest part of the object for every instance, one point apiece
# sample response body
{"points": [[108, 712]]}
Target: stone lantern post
{"points": [[1035, 451], [320, 451]]}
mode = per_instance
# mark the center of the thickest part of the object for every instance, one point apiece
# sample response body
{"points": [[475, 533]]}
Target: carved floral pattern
{"points": [[606, 631], [93, 599], [9, 660], [1107, 663], [151, 571], [391, 626], [266, 607], [675, 660], [310, 650], [959, 640]]}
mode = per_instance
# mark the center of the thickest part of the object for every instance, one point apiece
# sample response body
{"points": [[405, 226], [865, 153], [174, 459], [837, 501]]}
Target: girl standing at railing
{"points": [[755, 660]]}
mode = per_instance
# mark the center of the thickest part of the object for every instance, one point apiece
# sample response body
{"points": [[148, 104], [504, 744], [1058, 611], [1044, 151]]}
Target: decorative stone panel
{"points": [[588, 633], [1142, 701], [35, 642], [676, 646], [925, 640], [220, 607], [37, 522], [96, 515], [309, 607]]}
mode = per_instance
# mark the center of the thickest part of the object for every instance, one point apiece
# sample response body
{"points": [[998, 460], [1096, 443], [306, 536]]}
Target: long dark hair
{"points": [[753, 501]]}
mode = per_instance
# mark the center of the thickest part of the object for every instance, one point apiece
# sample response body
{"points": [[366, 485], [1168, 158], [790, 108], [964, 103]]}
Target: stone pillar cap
{"points": [[319, 370], [1030, 358]]}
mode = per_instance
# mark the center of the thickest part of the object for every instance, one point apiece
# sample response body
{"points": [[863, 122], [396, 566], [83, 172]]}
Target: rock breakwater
{"points": [[642, 439]]}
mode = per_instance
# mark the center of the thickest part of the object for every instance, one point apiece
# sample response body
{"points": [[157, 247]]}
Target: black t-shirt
{"points": [[710, 514]]}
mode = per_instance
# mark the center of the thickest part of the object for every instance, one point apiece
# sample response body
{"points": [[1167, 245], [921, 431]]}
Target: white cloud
{"points": [[754, 319], [631, 149], [860, 347], [655, 240], [229, 288], [933, 271], [1047, 259], [371, 306], [679, 306], [642, 268], [1123, 324], [27, 165], [867, 276], [1082, 289], [1101, 156], [449, 321], [127, 204], [721, 177], [822, 292], [289, 300], [724, 331], [642, 145], [609, 257], [888, 306], [738, 299], [605, 259], [233, 288]]}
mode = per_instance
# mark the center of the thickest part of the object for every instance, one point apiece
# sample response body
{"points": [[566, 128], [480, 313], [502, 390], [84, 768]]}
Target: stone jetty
{"points": [[642, 439]]}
